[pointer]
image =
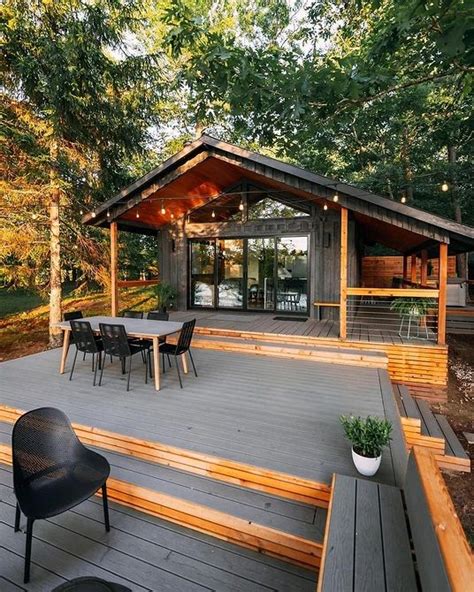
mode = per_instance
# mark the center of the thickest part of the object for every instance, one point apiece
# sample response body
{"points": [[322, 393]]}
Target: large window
{"points": [[250, 274]]}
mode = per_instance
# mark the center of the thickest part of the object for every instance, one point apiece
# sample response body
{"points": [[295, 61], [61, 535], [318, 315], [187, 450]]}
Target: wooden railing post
{"points": [[443, 281], [424, 267], [114, 304], [343, 275]]}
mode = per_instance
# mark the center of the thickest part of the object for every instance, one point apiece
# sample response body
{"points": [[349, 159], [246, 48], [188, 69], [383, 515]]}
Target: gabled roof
{"points": [[460, 236]]}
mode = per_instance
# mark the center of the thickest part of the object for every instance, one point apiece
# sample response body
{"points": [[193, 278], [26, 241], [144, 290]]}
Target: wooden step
{"points": [[326, 354], [260, 479], [285, 530]]}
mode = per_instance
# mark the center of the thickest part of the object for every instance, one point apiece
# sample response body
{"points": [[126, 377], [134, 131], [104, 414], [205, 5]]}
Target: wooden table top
{"points": [[133, 327]]}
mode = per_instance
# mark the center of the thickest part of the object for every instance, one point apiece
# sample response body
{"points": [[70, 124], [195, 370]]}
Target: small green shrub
{"points": [[368, 436], [412, 306], [165, 295]]}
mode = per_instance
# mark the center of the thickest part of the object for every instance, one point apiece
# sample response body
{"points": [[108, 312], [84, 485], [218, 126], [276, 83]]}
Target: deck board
{"points": [[142, 552], [281, 415]]}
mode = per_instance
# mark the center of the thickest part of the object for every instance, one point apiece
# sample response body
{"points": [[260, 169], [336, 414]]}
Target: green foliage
{"points": [[368, 436], [165, 295], [412, 306]]}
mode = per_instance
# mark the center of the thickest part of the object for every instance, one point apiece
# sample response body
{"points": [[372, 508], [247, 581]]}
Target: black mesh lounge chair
{"points": [[132, 314], [117, 344], [90, 584], [182, 347], [52, 470], [86, 342]]}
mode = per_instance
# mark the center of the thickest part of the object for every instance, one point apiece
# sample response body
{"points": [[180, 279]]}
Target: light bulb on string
{"points": [[93, 214], [403, 199], [335, 197], [172, 216], [163, 209], [213, 214], [444, 187], [81, 211], [325, 207], [241, 206], [34, 215], [108, 213], [138, 214]]}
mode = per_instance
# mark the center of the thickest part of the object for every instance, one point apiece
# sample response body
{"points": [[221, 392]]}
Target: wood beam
{"points": [[424, 267], [114, 302], [442, 281], [413, 269], [343, 275]]}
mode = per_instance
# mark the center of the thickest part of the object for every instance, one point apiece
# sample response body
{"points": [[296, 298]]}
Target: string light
{"points": [[213, 214], [336, 197], [241, 206], [138, 214], [34, 216], [325, 207], [403, 199], [172, 216], [81, 211], [444, 186], [93, 214], [163, 209], [108, 213]]}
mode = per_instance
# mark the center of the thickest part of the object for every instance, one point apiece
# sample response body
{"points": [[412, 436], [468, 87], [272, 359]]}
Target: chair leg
{"points": [[97, 365], [73, 364], [149, 363], [192, 362], [84, 356], [29, 536], [169, 360], [123, 365], [146, 366], [179, 373], [102, 371], [129, 372], [17, 517], [105, 503]]}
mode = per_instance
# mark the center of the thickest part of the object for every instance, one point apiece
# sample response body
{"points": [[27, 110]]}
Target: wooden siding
{"points": [[378, 272]]}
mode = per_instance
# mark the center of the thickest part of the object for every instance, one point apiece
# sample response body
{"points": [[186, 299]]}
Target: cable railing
{"points": [[395, 315]]}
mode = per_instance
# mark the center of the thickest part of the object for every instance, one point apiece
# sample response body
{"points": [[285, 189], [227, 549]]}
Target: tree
{"points": [[80, 98]]}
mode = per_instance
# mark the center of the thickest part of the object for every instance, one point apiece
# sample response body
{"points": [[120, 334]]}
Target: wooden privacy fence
{"points": [[378, 272]]}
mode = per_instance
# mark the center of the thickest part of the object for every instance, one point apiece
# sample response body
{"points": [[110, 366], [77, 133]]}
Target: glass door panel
{"points": [[292, 274], [202, 273], [230, 273], [260, 273]]}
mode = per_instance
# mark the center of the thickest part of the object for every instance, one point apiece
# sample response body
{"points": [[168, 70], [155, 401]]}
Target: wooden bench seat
{"points": [[419, 420], [381, 538], [367, 547]]}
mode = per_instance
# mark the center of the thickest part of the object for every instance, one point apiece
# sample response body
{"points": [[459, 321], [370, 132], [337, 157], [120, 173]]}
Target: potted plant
{"points": [[412, 307], [165, 295], [368, 437]]}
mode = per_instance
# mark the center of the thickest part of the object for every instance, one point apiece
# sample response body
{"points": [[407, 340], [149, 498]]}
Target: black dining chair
{"points": [[52, 471], [86, 342], [118, 345], [182, 347], [132, 314], [73, 315], [156, 315]]}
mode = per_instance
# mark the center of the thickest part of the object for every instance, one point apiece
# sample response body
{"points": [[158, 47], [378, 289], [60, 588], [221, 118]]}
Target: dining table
{"points": [[137, 328]]}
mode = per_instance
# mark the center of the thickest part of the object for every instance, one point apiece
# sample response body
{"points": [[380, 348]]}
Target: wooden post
{"points": [[424, 267], [413, 269], [343, 276], [113, 268], [443, 281], [405, 268]]}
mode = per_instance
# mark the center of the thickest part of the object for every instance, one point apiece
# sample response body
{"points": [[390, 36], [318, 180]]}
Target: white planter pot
{"points": [[366, 466]]}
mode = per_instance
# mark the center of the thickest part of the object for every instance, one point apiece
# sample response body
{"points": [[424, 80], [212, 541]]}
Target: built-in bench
{"points": [[422, 427], [380, 538]]}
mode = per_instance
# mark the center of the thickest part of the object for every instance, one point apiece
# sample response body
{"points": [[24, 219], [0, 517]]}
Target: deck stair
{"points": [[430, 430], [289, 530], [278, 346]]}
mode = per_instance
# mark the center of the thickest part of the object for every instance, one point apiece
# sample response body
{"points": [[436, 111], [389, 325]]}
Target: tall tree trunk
{"points": [[461, 259], [55, 258]]}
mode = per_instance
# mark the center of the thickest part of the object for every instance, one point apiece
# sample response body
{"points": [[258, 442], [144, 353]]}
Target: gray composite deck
{"points": [[325, 329], [269, 412], [276, 413]]}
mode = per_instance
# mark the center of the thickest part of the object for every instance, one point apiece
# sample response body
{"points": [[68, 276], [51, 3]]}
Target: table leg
{"points": [[185, 362], [66, 339], [156, 362]]}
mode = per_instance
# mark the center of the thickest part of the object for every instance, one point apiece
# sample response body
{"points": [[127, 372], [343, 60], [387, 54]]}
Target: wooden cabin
{"points": [[243, 232]]}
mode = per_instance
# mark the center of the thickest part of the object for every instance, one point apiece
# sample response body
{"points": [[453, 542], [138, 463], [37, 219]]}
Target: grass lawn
{"points": [[24, 330]]}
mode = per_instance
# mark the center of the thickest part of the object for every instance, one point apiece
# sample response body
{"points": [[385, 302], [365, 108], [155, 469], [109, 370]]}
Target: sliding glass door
{"points": [[260, 274]]}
